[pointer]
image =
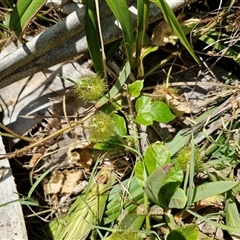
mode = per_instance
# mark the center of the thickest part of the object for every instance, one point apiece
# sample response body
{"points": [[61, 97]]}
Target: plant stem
{"points": [[142, 21], [146, 203], [169, 219], [101, 39]]}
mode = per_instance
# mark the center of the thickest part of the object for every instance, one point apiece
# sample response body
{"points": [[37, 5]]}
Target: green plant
{"points": [[101, 127], [164, 176], [161, 183], [122, 14], [149, 111], [90, 88], [86, 211], [183, 158], [23, 13]]}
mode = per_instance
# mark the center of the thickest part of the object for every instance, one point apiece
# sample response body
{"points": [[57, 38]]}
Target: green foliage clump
{"points": [[127, 235], [184, 155], [90, 88], [101, 127]]}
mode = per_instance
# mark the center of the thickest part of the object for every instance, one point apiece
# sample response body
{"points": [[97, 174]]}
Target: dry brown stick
{"points": [[198, 83], [23, 151]]}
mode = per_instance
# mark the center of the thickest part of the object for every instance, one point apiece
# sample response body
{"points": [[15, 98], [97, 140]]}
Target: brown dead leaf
{"points": [[54, 185], [179, 108], [79, 154], [161, 34], [63, 182], [72, 179]]}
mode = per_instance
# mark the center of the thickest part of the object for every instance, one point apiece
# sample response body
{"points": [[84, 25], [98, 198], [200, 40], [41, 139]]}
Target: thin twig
{"points": [[23, 151]]}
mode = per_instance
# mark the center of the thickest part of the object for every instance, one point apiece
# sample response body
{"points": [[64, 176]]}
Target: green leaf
{"points": [[47, 19], [126, 235], [140, 172], [178, 142], [142, 21], [174, 24], [156, 155], [174, 175], [161, 112], [173, 180], [212, 189], [144, 119], [154, 184], [121, 80], [143, 104], [22, 14], [92, 35], [120, 125], [132, 222], [148, 111], [182, 138], [135, 88], [232, 215], [143, 107], [39, 180], [187, 232], [122, 14], [178, 199], [129, 189]]}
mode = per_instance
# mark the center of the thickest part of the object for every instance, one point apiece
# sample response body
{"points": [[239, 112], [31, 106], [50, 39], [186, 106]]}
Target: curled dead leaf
{"points": [[79, 154], [54, 185], [161, 34], [178, 107]]}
